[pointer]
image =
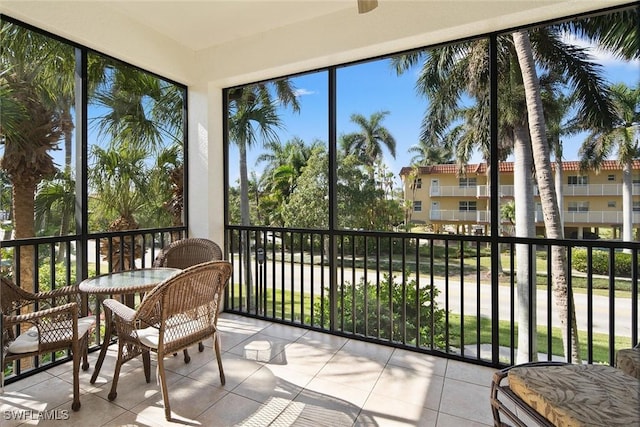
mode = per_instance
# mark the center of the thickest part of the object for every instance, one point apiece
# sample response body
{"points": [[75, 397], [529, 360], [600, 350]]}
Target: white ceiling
{"points": [[234, 41], [202, 24]]}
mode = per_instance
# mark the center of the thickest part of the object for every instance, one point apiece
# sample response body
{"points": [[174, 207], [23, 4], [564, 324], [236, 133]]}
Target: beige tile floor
{"points": [[276, 376]]}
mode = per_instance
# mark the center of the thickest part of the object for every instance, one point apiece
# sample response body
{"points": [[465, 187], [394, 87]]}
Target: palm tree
{"points": [[561, 292], [33, 127], [425, 154], [143, 116], [118, 185], [170, 163], [252, 116], [55, 205], [450, 72], [285, 163], [367, 143], [624, 138]]}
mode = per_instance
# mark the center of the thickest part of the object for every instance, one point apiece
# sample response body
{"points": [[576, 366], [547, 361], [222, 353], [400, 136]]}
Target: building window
{"points": [[578, 180], [417, 206], [417, 183], [467, 205], [578, 207], [636, 206], [611, 204], [467, 182], [611, 177], [635, 179]]}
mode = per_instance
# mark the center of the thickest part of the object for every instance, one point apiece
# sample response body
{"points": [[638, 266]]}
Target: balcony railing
{"points": [[483, 190], [570, 217], [591, 217], [442, 294], [448, 295], [59, 261], [453, 191], [460, 216]]}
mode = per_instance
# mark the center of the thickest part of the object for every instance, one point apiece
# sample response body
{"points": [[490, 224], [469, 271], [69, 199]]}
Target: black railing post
{"points": [[333, 198], [494, 201]]}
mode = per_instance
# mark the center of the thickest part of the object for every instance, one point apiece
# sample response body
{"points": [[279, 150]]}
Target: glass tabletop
{"points": [[131, 280]]}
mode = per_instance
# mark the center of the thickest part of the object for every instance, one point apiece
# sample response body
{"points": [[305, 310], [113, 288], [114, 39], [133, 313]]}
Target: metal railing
{"points": [[448, 295], [60, 261], [484, 190]]}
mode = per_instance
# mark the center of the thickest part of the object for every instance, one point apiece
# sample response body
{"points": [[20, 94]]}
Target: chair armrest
{"points": [[62, 291], [53, 326], [121, 311], [71, 307]]}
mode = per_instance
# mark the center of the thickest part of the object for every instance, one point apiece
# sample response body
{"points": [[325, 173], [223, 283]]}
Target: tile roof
{"points": [[505, 167]]}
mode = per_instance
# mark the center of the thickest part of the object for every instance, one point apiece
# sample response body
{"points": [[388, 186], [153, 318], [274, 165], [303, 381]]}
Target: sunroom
{"points": [[302, 137]]}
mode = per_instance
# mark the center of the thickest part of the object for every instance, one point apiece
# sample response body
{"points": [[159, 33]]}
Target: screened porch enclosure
{"points": [[324, 231]]}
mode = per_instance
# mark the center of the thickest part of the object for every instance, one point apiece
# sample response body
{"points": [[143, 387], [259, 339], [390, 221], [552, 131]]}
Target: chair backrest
{"points": [[13, 297], [186, 305], [188, 252]]}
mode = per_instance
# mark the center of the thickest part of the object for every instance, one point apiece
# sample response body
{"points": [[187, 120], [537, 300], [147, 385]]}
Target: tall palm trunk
{"points": [[627, 202], [246, 220], [23, 207], [525, 254], [541, 156], [66, 124], [559, 181]]}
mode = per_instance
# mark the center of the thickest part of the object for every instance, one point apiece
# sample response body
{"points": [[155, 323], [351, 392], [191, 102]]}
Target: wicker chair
{"points": [[179, 312], [186, 253], [55, 326]]}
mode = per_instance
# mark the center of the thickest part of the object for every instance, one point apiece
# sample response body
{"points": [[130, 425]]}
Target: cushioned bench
{"points": [[559, 394]]}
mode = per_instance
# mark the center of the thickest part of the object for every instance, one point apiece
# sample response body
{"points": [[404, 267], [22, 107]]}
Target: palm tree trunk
{"points": [[627, 202], [245, 220], [525, 254], [23, 209], [559, 181], [541, 156]]}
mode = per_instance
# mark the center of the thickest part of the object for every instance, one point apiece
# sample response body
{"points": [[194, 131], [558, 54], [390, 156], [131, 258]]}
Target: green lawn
{"points": [[600, 341], [297, 311]]}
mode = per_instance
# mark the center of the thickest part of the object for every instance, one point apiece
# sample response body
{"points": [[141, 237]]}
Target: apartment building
{"points": [[454, 201]]}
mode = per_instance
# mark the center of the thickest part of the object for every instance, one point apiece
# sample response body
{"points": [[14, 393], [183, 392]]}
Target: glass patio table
{"points": [[127, 284]]}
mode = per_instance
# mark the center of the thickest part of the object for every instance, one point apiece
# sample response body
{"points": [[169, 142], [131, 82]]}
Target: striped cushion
{"points": [[579, 395]]}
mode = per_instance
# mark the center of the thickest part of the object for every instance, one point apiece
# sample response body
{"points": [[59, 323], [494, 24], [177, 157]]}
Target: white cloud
{"points": [[599, 55], [303, 92]]}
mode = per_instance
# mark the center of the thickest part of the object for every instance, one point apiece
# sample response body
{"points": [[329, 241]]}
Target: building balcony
{"points": [[484, 217], [484, 191], [275, 375], [591, 217], [460, 216]]}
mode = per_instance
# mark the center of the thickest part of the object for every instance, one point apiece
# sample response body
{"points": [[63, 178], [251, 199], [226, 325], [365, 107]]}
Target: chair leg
{"points": [[200, 347], [85, 353], [163, 387], [187, 358], [216, 347], [146, 364], [116, 373], [76, 375]]}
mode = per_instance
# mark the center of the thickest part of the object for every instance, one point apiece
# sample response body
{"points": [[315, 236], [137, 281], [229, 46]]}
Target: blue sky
{"points": [[373, 86]]}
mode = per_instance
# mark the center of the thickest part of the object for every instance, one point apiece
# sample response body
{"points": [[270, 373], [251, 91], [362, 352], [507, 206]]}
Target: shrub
{"points": [[600, 262], [391, 311]]}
